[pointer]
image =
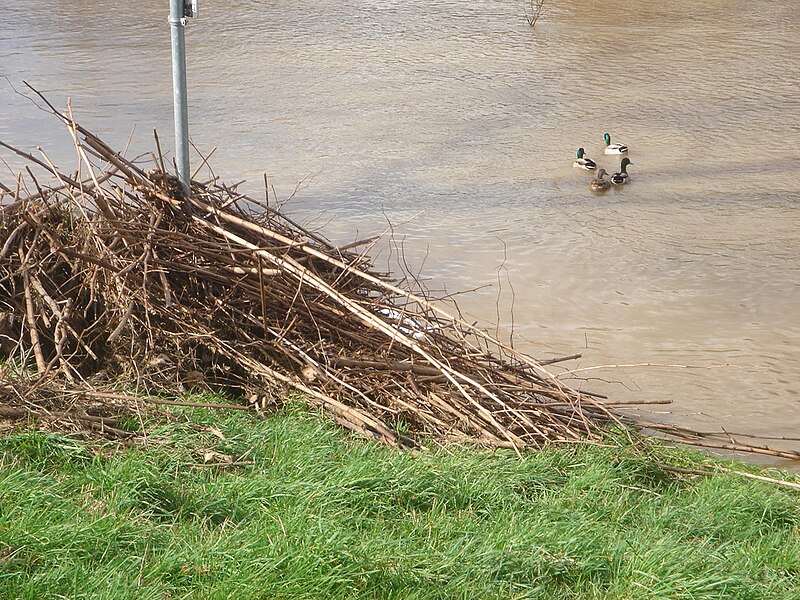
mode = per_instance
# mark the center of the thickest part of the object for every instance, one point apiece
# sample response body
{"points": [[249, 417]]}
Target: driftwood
{"points": [[114, 271]]}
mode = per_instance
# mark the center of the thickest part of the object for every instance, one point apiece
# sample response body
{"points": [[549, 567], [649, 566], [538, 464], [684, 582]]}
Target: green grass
{"points": [[322, 515]]}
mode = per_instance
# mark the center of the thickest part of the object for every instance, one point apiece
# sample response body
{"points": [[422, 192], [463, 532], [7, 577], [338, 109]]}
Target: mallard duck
{"points": [[614, 148], [599, 183], [584, 162], [622, 176]]}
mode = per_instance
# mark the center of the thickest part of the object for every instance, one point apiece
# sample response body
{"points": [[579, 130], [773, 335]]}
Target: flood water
{"points": [[456, 123]]}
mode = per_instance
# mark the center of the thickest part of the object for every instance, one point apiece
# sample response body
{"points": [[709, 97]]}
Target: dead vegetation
{"points": [[112, 274], [534, 10]]}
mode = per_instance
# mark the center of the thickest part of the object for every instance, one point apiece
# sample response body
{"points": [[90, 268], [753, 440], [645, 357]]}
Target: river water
{"points": [[454, 124]]}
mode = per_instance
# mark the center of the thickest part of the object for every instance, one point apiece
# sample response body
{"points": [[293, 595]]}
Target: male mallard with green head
{"points": [[584, 162], [614, 148], [599, 183], [622, 176]]}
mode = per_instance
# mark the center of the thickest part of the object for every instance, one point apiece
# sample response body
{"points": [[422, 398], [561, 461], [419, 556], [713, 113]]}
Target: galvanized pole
{"points": [[177, 21]]}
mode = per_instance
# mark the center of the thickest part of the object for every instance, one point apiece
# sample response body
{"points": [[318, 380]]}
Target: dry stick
{"points": [[164, 282], [41, 364], [358, 243], [428, 415], [782, 482], [33, 159], [88, 258], [390, 366], [151, 400], [203, 163], [18, 187], [62, 318], [98, 148], [364, 422], [11, 237], [330, 374], [34, 281], [122, 323], [32, 218], [100, 197], [262, 296], [87, 185], [70, 190], [59, 338], [133, 172], [679, 430], [733, 447], [632, 365], [155, 221], [104, 423], [343, 413], [635, 402], [463, 417], [35, 181], [160, 154], [103, 428], [239, 463], [63, 322], [551, 361]]}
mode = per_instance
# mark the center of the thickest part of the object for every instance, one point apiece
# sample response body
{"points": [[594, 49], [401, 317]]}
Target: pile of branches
{"points": [[118, 270]]}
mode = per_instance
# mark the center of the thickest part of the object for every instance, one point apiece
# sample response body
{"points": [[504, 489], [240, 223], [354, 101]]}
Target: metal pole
{"points": [[177, 22]]}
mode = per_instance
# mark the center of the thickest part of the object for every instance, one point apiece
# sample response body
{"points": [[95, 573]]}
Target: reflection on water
{"points": [[457, 123]]}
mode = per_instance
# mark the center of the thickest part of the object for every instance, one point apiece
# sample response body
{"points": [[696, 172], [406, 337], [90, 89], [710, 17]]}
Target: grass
{"points": [[321, 515]]}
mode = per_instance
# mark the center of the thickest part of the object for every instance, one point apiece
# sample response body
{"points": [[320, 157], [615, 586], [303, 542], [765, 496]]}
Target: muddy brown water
{"points": [[456, 123]]}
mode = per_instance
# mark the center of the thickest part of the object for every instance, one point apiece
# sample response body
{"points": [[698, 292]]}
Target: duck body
{"points": [[584, 162], [600, 183], [622, 176], [619, 178], [614, 148]]}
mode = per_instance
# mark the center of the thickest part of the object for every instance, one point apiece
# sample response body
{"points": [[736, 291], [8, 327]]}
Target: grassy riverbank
{"points": [[310, 512]]}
